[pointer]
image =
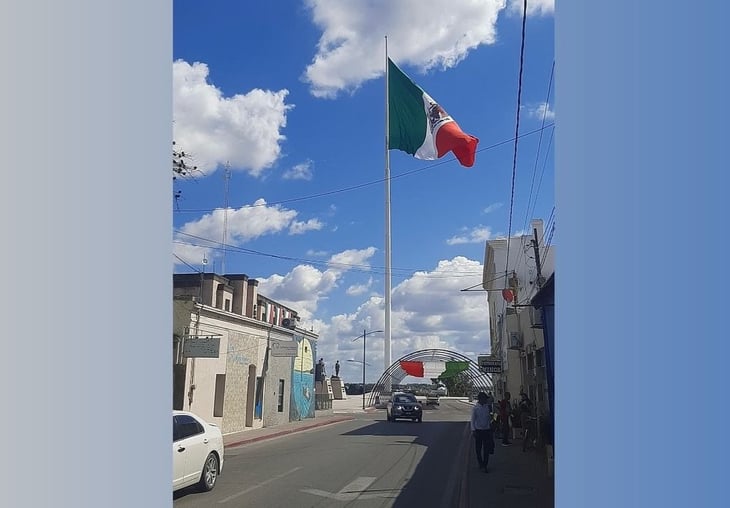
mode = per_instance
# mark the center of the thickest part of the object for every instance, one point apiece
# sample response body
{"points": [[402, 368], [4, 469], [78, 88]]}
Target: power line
{"points": [[539, 145], [186, 263], [517, 130], [367, 184], [406, 272]]}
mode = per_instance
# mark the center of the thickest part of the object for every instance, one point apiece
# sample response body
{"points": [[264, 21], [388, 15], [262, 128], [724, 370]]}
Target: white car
{"points": [[197, 451]]}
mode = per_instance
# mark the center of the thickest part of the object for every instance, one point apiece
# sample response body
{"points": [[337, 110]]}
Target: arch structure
{"points": [[430, 357]]}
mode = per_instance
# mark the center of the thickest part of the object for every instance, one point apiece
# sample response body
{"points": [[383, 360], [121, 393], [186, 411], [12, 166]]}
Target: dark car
{"points": [[404, 405]]}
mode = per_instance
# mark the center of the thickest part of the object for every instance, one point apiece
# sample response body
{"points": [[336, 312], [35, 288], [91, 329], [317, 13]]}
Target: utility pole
{"points": [[536, 247], [363, 368]]}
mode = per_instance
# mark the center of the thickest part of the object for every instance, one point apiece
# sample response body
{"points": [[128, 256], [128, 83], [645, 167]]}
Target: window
{"points": [[228, 305], [184, 426], [280, 408], [404, 399], [540, 357], [220, 390]]}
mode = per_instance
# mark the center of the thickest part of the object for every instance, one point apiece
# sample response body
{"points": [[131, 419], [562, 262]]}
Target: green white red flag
{"points": [[418, 125]]}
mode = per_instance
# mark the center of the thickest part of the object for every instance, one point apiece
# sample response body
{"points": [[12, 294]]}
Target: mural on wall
{"points": [[302, 382]]}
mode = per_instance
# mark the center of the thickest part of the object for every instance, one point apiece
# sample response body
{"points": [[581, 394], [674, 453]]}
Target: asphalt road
{"points": [[367, 462]]}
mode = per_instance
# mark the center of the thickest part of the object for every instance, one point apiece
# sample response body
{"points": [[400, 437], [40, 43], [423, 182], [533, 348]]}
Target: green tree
{"points": [[458, 385]]}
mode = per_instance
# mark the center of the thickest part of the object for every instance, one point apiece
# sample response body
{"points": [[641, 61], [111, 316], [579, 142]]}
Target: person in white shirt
{"points": [[481, 428]]}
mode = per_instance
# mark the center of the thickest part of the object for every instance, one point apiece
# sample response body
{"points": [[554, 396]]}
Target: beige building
{"points": [[515, 327], [224, 368]]}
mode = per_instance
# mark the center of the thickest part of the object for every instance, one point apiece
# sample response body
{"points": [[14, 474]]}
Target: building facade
{"points": [[255, 370], [515, 326]]}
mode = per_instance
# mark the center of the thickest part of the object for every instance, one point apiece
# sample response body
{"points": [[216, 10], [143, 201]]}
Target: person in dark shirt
{"points": [[504, 412]]}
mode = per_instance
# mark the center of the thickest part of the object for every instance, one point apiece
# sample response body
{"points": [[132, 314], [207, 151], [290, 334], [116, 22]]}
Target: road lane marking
{"points": [[265, 482], [351, 491]]}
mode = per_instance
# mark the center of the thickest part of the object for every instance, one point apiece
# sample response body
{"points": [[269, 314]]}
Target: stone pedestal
{"points": [[338, 388], [323, 394]]}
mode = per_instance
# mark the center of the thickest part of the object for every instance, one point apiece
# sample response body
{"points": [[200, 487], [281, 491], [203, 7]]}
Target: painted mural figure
{"points": [[303, 382]]}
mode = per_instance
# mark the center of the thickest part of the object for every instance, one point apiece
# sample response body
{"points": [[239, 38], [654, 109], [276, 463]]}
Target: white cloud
{"points": [[492, 207], [303, 287], [477, 235], [302, 171], [359, 289], [244, 129], [429, 310], [351, 259], [542, 111], [243, 224], [422, 33], [299, 228], [534, 7]]}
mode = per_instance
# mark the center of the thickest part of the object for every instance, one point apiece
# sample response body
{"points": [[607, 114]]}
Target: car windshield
{"points": [[405, 398]]}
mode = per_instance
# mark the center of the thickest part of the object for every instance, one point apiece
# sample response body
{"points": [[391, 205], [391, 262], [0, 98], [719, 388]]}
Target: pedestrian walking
{"points": [[525, 408], [481, 428], [504, 412]]}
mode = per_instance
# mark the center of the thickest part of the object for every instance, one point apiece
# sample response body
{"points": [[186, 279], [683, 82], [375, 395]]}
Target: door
{"points": [[191, 447], [178, 456]]}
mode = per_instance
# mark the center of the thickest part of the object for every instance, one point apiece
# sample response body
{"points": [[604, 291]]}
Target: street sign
{"points": [[201, 347], [284, 348], [489, 364]]}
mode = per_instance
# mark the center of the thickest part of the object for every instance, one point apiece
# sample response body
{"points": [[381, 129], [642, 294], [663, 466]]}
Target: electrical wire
{"points": [[406, 272], [517, 131], [366, 184]]}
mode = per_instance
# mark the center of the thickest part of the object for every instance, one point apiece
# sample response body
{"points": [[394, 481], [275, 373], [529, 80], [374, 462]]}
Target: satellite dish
{"points": [[508, 295]]}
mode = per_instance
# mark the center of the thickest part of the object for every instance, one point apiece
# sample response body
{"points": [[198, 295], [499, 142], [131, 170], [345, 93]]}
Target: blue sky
{"points": [[290, 95]]}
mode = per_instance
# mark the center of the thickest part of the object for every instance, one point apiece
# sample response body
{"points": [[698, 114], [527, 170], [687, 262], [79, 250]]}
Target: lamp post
{"points": [[365, 333]]}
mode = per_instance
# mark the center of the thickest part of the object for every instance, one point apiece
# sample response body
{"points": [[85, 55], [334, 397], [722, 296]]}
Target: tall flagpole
{"points": [[387, 348]]}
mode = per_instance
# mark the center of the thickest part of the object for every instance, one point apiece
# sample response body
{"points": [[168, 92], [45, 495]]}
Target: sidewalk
{"points": [[515, 479], [342, 410]]}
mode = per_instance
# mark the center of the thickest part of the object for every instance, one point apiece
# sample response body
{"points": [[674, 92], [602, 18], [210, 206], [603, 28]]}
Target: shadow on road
{"points": [[436, 478]]}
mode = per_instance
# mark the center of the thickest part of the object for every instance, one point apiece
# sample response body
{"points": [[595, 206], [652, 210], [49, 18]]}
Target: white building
{"points": [[240, 386], [515, 327]]}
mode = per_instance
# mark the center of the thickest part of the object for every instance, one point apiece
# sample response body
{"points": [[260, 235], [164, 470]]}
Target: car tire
{"points": [[209, 475]]}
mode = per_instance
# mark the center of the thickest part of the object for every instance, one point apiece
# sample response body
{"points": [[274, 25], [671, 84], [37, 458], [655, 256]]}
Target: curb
{"points": [[254, 439]]}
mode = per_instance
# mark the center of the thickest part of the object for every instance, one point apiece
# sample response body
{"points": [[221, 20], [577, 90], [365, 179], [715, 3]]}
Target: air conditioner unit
{"points": [[515, 340], [290, 323]]}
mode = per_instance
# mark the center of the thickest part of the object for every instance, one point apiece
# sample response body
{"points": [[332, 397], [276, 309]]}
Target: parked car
{"points": [[197, 451], [404, 405]]}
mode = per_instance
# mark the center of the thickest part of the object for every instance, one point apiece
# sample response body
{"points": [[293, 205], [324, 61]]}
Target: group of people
{"points": [[486, 419]]}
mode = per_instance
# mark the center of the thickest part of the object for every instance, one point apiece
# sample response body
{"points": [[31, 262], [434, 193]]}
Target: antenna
{"points": [[226, 177]]}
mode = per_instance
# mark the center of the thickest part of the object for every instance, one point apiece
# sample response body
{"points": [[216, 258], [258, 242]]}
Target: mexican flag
{"points": [[418, 125]]}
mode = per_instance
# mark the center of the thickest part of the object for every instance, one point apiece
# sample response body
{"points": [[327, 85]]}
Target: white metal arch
{"points": [[395, 374]]}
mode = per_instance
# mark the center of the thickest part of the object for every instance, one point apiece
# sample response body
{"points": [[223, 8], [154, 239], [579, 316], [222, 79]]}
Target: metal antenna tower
{"points": [[227, 177]]}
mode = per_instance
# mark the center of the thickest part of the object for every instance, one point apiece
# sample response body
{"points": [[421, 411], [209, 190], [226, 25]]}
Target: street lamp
{"points": [[364, 334]]}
